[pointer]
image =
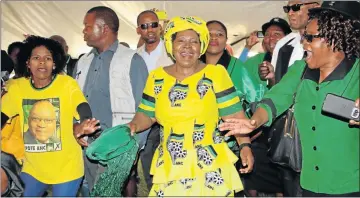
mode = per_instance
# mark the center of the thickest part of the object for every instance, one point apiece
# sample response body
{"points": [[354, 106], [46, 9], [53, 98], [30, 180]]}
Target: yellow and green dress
{"points": [[193, 158]]}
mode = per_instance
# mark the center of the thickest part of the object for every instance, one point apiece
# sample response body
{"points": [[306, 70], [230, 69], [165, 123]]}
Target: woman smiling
{"points": [[330, 146], [188, 99]]}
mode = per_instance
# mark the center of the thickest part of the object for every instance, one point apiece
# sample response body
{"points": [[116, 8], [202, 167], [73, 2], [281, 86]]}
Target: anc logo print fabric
{"points": [[158, 86], [206, 155], [180, 91], [203, 86], [177, 93], [198, 134], [160, 159], [175, 144], [42, 125]]}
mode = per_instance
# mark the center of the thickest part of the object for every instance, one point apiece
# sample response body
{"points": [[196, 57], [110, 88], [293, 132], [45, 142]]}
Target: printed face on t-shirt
{"points": [[42, 121]]}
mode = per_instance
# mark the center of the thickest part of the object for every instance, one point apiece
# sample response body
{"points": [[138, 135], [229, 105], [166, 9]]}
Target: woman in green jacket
{"points": [[248, 89], [330, 146]]}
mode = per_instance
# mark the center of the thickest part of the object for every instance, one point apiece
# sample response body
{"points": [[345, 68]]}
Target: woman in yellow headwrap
{"points": [[189, 99]]}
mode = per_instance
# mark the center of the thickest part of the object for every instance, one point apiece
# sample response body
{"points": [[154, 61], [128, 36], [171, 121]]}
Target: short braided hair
{"points": [[339, 30]]}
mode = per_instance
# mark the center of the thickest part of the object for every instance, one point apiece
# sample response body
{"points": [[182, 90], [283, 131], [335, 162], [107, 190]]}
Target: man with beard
{"points": [[111, 76], [154, 54]]}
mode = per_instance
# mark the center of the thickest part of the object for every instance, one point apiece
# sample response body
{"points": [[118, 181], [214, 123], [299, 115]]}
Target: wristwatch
{"points": [[241, 146]]}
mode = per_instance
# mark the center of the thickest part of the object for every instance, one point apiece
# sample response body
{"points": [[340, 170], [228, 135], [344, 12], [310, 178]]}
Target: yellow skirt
{"points": [[205, 171]]}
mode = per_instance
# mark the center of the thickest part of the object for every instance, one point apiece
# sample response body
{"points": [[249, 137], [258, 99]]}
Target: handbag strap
{"points": [[352, 75], [302, 77]]}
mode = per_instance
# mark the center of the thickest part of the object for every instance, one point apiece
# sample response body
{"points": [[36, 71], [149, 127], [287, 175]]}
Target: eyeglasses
{"points": [[146, 26], [310, 37], [295, 7], [38, 120]]}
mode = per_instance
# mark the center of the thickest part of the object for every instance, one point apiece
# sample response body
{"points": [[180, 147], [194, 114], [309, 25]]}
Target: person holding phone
{"points": [[330, 146], [260, 65], [357, 105]]}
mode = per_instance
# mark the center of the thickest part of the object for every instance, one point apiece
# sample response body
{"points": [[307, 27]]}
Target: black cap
{"points": [[278, 22], [350, 9]]}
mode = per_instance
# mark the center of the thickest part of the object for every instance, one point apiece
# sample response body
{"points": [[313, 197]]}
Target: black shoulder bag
{"points": [[287, 151]]}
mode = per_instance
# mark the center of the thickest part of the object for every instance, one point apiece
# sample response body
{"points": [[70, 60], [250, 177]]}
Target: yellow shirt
{"points": [[52, 154], [191, 147], [11, 139]]}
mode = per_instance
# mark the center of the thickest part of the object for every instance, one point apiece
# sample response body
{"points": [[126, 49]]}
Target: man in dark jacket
{"points": [[70, 62]]}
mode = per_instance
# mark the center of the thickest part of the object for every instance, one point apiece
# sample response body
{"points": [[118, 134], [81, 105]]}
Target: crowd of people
{"points": [[207, 123]]}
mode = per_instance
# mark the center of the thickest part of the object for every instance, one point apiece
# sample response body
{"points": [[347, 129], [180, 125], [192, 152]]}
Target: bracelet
{"points": [[241, 146]]}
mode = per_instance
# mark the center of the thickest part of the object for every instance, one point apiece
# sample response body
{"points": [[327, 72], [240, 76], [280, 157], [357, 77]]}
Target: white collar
{"points": [[158, 49], [296, 38]]}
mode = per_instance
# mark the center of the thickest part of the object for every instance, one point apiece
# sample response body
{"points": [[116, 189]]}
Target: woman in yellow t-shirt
{"points": [[46, 104], [188, 100]]}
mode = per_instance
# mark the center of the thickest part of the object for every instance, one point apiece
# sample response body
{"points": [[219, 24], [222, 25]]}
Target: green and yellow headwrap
{"points": [[178, 24]]}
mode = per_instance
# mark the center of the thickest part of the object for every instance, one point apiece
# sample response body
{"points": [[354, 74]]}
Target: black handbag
{"points": [[285, 149]]}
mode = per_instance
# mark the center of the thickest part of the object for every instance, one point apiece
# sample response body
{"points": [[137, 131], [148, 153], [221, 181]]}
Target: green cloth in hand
{"points": [[116, 149]]}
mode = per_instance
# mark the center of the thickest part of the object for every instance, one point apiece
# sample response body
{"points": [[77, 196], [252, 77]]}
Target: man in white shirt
{"points": [[297, 12], [286, 52], [153, 50], [154, 54]]}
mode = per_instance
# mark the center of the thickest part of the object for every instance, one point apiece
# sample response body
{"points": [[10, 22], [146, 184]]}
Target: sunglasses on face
{"points": [[310, 37], [146, 26], [295, 7]]}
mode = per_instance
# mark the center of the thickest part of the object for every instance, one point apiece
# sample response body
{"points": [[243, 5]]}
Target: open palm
{"points": [[237, 126], [87, 127]]}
